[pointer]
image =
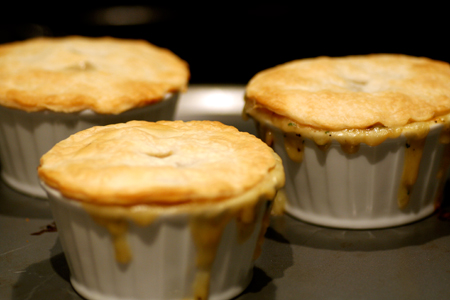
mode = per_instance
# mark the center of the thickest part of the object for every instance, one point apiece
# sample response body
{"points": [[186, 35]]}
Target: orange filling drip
{"points": [[206, 227], [351, 139]]}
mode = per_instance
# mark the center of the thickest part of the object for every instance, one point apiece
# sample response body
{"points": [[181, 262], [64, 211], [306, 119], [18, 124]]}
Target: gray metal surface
{"points": [[299, 260]]}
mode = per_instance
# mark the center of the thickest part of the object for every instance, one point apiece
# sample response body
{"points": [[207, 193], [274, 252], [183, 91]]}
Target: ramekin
{"points": [[332, 188], [164, 255], [26, 136]]}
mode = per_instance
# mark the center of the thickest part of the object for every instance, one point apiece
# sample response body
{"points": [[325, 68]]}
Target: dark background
{"points": [[229, 41]]}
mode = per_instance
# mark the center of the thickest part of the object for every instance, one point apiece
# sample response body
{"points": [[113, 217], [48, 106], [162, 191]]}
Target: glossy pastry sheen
{"points": [[354, 92], [163, 162], [70, 74]]}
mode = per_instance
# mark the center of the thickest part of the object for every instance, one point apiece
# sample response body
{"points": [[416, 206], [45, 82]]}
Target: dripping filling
{"points": [[350, 140], [207, 223]]}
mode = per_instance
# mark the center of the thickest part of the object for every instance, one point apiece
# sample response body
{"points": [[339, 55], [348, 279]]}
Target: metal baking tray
{"points": [[299, 260]]}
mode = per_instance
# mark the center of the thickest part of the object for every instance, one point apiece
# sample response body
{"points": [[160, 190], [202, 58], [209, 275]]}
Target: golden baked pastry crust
{"points": [[354, 92], [157, 163], [107, 75]]}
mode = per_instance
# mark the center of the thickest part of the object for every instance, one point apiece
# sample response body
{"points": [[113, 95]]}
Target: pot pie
{"points": [[364, 138], [159, 209], [52, 87]]}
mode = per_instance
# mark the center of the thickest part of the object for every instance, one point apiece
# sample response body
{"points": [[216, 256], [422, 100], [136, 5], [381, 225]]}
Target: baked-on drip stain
{"points": [[265, 222], [279, 203], [444, 138], [207, 233], [294, 145], [49, 228], [413, 156], [118, 229]]}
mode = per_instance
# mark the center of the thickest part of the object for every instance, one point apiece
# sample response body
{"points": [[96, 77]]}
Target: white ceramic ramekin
{"points": [[164, 251], [25, 137], [360, 190]]}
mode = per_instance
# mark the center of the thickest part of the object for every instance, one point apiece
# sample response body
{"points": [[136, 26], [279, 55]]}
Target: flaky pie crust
{"points": [[70, 74], [161, 163], [354, 92]]}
